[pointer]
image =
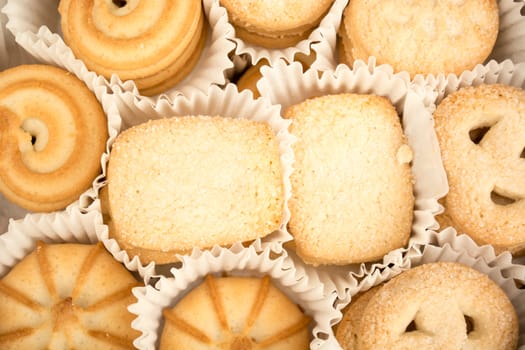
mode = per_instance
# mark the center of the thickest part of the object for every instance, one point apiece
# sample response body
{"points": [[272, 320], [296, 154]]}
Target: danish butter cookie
{"points": [[421, 37], [211, 317], [67, 296], [442, 305], [155, 43], [352, 194], [481, 134]]}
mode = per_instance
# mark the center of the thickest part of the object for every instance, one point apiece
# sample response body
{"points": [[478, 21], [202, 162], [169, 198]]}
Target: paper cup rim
{"points": [[237, 261]]}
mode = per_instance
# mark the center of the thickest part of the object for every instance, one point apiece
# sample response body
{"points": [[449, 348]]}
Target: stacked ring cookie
{"points": [[481, 134], [67, 296], [421, 37], [52, 134], [265, 319], [156, 44], [275, 24], [433, 306]]}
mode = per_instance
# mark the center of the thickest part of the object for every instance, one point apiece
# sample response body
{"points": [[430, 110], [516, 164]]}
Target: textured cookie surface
{"points": [[275, 24], [352, 197], [347, 330], [422, 37], [481, 134], [184, 182], [211, 316], [434, 306], [67, 296], [52, 134]]}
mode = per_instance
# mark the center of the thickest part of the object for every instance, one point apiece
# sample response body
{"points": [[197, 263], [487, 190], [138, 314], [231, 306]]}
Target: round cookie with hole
{"points": [[440, 305], [481, 134]]}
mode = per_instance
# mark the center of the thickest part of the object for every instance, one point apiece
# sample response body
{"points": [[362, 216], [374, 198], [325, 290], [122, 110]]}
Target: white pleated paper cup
{"points": [[447, 245], [510, 43], [39, 33], [327, 28], [69, 226], [506, 73], [226, 102], [286, 85], [303, 289], [11, 54]]}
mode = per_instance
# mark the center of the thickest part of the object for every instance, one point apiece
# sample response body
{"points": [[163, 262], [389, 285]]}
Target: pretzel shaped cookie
{"points": [[433, 306], [481, 133], [52, 134]]}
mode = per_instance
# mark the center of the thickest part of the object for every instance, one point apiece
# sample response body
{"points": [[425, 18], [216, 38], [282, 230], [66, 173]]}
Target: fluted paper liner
{"points": [[40, 34], [227, 102], [447, 245], [327, 28], [305, 290], [69, 226], [286, 85], [11, 54], [508, 52]]}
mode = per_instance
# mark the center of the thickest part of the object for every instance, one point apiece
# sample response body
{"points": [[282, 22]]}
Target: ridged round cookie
{"points": [[53, 132], [194, 181], [352, 195], [156, 44], [442, 305], [421, 37], [275, 24], [235, 313], [481, 134], [67, 296]]}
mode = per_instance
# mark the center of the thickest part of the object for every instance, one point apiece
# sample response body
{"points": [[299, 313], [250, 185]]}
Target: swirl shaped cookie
{"points": [[155, 43], [481, 134], [421, 37], [442, 305], [67, 296], [52, 134], [265, 319], [275, 24]]}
